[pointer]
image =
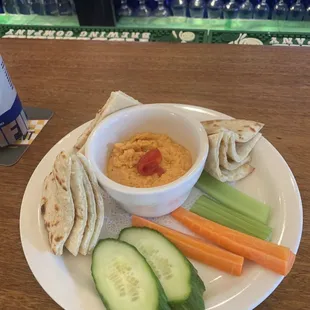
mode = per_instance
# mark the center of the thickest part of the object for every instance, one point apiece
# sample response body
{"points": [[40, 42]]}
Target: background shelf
{"points": [[37, 20], [214, 24]]}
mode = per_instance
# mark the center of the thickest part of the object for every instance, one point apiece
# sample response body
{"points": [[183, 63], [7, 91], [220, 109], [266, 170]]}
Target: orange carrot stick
{"points": [[197, 249], [278, 258]]}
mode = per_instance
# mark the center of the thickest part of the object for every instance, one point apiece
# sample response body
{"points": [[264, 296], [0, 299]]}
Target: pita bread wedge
{"points": [[225, 162], [117, 101], [240, 151], [244, 129], [80, 206], [213, 163], [91, 215], [57, 206], [98, 199]]}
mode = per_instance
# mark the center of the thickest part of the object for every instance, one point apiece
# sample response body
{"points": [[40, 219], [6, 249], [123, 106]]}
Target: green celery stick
{"points": [[222, 215], [224, 210], [232, 198], [233, 223]]}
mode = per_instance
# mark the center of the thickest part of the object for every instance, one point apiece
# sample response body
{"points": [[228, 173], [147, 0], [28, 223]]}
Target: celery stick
{"points": [[232, 198], [222, 215], [224, 210], [233, 222], [215, 217]]}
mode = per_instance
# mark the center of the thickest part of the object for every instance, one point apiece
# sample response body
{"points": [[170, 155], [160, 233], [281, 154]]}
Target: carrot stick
{"points": [[278, 258], [197, 249]]}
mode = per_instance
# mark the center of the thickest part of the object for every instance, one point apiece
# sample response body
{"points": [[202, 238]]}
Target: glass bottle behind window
{"points": [[246, 10], [280, 11], [38, 7], [161, 10], [231, 9], [10, 6], [215, 9], [51, 7], [124, 10], [262, 10], [179, 7], [24, 7], [197, 8], [64, 7], [142, 10], [297, 11]]}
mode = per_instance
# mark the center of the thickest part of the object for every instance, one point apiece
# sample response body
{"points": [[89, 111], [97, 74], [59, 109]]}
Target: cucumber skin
{"points": [[163, 302], [195, 300]]}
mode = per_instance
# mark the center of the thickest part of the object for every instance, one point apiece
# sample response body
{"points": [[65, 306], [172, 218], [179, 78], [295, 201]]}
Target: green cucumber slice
{"points": [[178, 277], [124, 279]]}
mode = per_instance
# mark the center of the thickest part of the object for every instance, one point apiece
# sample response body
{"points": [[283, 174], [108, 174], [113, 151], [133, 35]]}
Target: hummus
{"points": [[122, 164]]}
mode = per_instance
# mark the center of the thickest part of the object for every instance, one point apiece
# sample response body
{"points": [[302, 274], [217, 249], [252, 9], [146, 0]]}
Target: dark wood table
{"points": [[74, 79]]}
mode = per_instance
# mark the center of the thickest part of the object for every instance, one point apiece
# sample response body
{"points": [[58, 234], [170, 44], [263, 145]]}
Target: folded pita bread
{"points": [[225, 162], [245, 130], [80, 206], [240, 151], [237, 174], [213, 162], [98, 199], [91, 215], [117, 101], [57, 206]]}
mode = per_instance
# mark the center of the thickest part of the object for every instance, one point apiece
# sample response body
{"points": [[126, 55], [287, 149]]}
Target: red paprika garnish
{"points": [[149, 163]]}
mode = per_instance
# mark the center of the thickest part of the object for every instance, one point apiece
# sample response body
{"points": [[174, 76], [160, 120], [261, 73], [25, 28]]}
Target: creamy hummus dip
{"points": [[122, 164]]}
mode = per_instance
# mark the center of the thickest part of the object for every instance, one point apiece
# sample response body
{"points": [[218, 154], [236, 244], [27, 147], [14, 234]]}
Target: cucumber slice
{"points": [[123, 278], [178, 277]]}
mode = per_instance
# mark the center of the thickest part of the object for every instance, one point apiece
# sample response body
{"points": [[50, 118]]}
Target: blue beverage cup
{"points": [[13, 119]]}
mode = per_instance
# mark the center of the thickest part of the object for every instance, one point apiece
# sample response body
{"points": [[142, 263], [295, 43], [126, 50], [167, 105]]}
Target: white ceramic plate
{"points": [[68, 281]]}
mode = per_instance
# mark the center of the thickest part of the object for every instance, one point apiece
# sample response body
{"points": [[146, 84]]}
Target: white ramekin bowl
{"points": [[122, 125]]}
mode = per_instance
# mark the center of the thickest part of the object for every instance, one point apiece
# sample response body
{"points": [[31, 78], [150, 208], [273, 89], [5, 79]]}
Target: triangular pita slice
{"points": [[213, 163], [225, 162], [98, 199], [244, 129], [80, 206], [91, 215], [57, 205], [117, 101]]}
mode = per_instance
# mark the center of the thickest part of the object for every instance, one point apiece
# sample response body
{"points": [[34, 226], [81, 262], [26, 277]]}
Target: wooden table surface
{"points": [[74, 79]]}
